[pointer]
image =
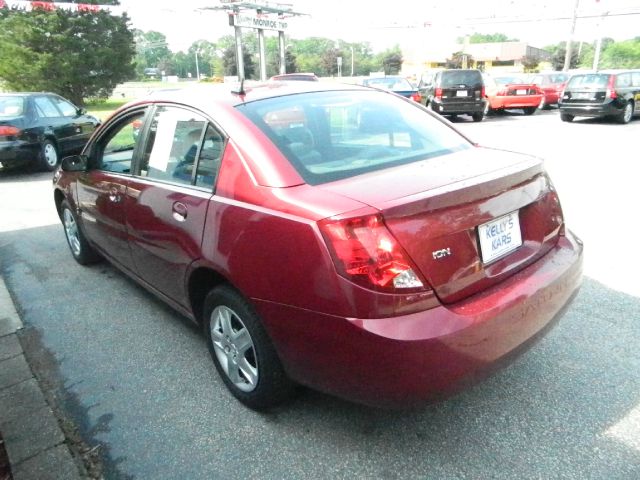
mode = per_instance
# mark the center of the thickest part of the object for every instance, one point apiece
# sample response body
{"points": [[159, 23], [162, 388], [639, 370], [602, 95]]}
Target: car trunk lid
{"points": [[436, 210]]}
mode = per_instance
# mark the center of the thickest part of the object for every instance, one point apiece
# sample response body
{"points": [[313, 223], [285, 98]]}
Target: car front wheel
{"points": [[529, 110], [82, 252], [242, 351], [48, 156]]}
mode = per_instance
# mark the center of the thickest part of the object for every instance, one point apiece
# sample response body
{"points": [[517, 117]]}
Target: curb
{"points": [[34, 441]]}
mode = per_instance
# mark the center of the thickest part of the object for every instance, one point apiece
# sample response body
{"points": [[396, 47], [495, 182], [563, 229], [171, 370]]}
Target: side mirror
{"points": [[74, 163], [82, 111]]}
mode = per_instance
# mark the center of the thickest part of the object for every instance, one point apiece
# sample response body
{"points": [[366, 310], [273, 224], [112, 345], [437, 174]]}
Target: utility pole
{"points": [[567, 56]]}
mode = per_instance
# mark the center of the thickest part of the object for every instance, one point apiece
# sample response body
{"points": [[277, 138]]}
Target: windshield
{"points": [[333, 135], [391, 83], [11, 106], [509, 80], [595, 80]]}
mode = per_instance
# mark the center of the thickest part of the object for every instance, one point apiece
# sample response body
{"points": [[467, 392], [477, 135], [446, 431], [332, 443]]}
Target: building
{"points": [[505, 56]]}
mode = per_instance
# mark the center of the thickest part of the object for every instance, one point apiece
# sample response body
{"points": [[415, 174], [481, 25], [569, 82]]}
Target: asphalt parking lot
{"points": [[138, 382]]}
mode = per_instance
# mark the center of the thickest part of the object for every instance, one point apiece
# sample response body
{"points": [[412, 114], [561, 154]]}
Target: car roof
{"points": [[229, 93]]}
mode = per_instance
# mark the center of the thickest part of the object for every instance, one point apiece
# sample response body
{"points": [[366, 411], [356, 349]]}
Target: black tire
{"points": [[477, 117], [48, 159], [253, 372], [81, 250], [566, 117], [529, 110], [627, 113]]}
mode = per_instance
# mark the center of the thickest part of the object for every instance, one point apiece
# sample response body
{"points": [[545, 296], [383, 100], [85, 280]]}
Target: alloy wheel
{"points": [[628, 112], [71, 229], [234, 348]]}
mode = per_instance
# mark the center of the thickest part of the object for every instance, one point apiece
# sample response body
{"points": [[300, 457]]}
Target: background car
{"points": [[602, 94], [303, 77], [455, 92], [512, 92], [552, 84], [336, 236], [40, 128], [396, 84]]}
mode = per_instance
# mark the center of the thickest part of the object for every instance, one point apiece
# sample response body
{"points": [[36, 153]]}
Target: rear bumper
{"points": [[409, 360], [590, 109], [18, 153], [449, 108], [524, 101]]}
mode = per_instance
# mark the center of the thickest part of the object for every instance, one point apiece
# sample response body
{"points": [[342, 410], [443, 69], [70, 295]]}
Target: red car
{"points": [[552, 85], [334, 236], [512, 92]]}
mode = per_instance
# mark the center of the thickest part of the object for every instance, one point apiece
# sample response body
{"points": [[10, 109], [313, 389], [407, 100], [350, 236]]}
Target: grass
{"points": [[102, 109]]}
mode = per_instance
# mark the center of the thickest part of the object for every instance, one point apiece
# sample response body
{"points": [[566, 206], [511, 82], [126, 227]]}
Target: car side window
{"points": [[46, 108], [635, 79], [623, 80], [116, 149], [67, 109], [182, 148]]}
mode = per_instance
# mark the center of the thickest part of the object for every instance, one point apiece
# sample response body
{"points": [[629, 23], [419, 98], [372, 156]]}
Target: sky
{"points": [[404, 22]]}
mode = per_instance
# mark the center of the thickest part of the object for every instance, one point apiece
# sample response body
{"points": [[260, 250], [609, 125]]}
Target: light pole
{"points": [[596, 56], [352, 60], [197, 66], [567, 56]]}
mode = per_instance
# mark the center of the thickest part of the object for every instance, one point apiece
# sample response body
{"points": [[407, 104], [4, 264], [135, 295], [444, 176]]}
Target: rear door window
{"points": [[182, 148]]}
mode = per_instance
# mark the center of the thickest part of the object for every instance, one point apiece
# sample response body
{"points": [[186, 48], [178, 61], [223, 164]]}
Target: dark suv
{"points": [[455, 92], [602, 94]]}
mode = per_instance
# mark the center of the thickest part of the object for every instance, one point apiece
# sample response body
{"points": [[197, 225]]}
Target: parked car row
{"points": [[614, 94]]}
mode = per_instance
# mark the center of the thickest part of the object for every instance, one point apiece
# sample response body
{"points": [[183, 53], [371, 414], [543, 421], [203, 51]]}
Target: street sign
{"points": [[259, 21]]}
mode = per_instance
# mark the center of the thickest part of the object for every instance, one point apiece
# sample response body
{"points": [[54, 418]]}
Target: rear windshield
{"points": [[329, 136], [390, 83], [509, 80], [592, 80], [11, 106], [465, 78]]}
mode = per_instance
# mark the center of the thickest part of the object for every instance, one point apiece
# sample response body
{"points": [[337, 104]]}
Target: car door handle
{"points": [[114, 195], [180, 211]]}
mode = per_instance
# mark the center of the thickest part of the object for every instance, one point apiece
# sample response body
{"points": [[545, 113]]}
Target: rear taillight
{"points": [[611, 92], [416, 97], [365, 252], [502, 92], [9, 131], [438, 93], [482, 92]]}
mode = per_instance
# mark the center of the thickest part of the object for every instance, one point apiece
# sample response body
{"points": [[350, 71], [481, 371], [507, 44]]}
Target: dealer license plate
{"points": [[462, 93], [499, 237], [521, 91], [582, 96]]}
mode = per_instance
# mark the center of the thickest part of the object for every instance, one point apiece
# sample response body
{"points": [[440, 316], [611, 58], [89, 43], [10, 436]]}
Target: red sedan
{"points": [[512, 92], [552, 85], [334, 236]]}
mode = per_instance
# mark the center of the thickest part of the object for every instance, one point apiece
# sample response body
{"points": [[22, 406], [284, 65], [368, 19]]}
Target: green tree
{"points": [[75, 54], [530, 63], [457, 60], [151, 51], [392, 61], [625, 54], [488, 38], [231, 66]]}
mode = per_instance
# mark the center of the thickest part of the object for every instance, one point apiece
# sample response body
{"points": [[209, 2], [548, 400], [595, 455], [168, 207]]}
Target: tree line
{"points": [[218, 58]]}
